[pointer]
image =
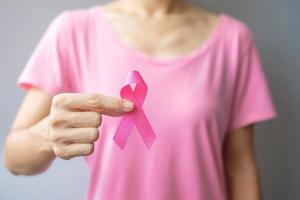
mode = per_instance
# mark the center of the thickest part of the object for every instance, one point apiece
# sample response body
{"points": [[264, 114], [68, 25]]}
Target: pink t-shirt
{"points": [[193, 101]]}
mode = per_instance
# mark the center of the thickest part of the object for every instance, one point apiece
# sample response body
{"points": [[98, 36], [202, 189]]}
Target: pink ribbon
{"points": [[137, 116]]}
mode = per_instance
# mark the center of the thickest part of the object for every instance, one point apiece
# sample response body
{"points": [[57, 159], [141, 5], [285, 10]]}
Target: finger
{"points": [[73, 150], [78, 135], [63, 118], [113, 106], [83, 119]]}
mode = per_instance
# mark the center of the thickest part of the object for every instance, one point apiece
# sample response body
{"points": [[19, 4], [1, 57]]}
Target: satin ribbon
{"points": [[137, 116]]}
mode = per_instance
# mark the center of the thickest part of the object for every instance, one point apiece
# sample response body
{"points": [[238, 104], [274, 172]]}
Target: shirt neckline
{"points": [[135, 53]]}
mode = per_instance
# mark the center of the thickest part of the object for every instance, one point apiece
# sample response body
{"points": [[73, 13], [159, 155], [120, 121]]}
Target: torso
{"points": [[188, 101], [164, 36]]}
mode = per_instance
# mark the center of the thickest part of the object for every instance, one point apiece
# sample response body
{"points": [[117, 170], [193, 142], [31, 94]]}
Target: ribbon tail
{"points": [[144, 127], [122, 134]]}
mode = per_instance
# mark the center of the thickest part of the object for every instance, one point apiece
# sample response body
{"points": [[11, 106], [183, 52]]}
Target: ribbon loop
{"points": [[137, 116]]}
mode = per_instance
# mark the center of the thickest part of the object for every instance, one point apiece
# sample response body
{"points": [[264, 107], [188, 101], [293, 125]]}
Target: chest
{"points": [[185, 96], [159, 37], [188, 93]]}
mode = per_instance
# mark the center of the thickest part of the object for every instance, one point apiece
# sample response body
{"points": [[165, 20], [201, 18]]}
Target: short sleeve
{"points": [[252, 99], [47, 65]]}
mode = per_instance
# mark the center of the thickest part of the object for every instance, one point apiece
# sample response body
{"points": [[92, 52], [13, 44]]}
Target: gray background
{"points": [[277, 27]]}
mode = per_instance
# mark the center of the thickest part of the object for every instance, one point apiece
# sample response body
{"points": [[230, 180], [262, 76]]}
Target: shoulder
{"points": [[237, 25], [236, 33], [230, 25], [233, 33], [72, 21]]}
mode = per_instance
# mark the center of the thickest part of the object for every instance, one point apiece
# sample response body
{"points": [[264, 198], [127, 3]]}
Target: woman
{"points": [[206, 89]]}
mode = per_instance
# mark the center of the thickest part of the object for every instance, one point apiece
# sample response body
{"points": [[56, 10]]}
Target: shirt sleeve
{"points": [[252, 100], [47, 65]]}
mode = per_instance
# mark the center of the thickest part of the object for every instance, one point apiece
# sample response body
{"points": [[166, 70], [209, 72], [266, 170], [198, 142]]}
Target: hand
{"points": [[74, 120]]}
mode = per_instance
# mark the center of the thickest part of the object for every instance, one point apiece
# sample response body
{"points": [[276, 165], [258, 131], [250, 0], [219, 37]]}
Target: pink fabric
{"points": [[193, 101]]}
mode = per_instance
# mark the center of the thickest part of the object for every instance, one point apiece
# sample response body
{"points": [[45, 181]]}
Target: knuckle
{"points": [[55, 136], [54, 114], [59, 152], [58, 100], [89, 149], [67, 157], [53, 118], [93, 100], [56, 119], [51, 121], [97, 118], [63, 154], [94, 134]]}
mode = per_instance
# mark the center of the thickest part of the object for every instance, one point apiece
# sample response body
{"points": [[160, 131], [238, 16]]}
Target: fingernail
{"points": [[128, 106]]}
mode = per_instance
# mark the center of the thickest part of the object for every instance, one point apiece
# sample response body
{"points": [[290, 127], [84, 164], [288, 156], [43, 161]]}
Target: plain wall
{"points": [[277, 28]]}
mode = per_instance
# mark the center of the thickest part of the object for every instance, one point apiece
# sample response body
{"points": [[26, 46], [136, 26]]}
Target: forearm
{"points": [[243, 183], [27, 151]]}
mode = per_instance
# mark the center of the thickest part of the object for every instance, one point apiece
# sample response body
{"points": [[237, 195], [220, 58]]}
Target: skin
{"points": [[65, 126]]}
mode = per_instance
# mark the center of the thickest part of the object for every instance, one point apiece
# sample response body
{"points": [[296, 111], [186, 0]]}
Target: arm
{"points": [[242, 174], [64, 126], [26, 150]]}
